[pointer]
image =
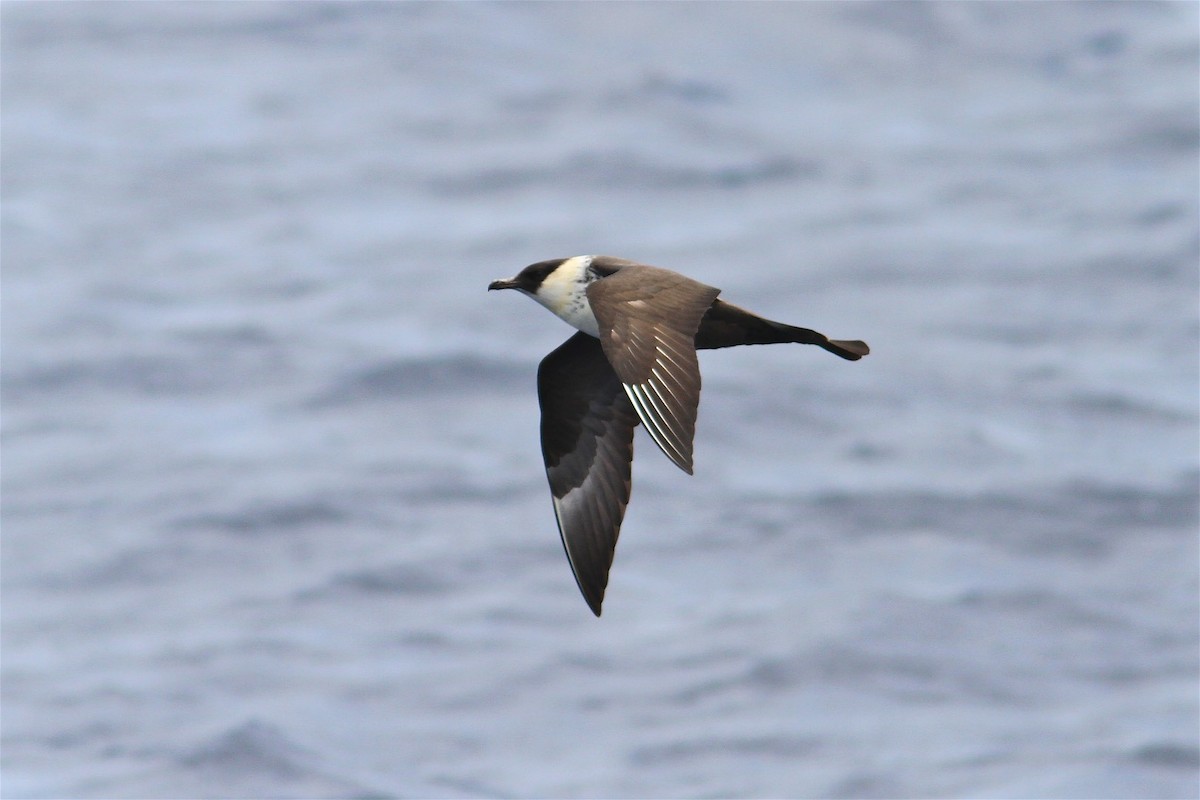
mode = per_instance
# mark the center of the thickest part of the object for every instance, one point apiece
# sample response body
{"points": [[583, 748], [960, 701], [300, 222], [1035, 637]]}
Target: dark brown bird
{"points": [[634, 359]]}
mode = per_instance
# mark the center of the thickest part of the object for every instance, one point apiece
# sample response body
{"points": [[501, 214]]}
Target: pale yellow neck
{"points": [[564, 293]]}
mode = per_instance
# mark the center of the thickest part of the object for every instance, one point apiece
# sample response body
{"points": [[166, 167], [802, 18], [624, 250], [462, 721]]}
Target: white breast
{"points": [[564, 292]]}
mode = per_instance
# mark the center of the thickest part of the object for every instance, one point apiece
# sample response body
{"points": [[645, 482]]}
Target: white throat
{"points": [[564, 292]]}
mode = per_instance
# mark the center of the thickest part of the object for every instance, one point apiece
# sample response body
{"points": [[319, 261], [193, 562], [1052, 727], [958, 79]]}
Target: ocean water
{"points": [[274, 517]]}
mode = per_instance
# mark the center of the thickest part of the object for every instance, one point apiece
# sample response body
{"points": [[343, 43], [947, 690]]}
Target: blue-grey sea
{"points": [[275, 523]]}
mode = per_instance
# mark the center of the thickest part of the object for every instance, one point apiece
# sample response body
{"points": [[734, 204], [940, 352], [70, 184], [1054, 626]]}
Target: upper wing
{"points": [[587, 445], [648, 319]]}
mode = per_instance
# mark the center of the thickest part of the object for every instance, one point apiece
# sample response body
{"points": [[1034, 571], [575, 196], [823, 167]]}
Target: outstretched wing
{"points": [[648, 319], [587, 445]]}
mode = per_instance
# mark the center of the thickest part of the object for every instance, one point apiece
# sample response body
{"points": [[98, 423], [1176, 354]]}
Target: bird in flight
{"points": [[633, 360]]}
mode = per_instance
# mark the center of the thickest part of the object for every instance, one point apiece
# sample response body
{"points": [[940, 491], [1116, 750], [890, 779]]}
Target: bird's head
{"points": [[530, 279]]}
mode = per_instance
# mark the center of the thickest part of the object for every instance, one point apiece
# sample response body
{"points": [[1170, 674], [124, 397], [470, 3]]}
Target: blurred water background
{"points": [[274, 517]]}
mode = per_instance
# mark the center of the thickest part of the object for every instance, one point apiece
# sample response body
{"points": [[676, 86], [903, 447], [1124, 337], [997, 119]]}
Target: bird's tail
{"points": [[849, 349], [726, 325]]}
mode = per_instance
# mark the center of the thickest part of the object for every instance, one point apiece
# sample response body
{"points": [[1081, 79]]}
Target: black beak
{"points": [[504, 283]]}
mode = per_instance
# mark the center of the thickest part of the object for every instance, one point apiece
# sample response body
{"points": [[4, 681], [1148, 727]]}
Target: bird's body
{"points": [[633, 360]]}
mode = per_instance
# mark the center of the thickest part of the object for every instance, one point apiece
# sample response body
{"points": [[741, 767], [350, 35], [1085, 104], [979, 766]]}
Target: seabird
{"points": [[633, 360]]}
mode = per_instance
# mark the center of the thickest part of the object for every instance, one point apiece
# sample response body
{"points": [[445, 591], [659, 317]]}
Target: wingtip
{"points": [[679, 461], [593, 597], [684, 462], [594, 601]]}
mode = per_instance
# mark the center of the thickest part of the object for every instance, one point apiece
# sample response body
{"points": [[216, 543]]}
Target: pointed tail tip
{"points": [[849, 349]]}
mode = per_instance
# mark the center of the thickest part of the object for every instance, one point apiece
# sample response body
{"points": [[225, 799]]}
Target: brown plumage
{"points": [[633, 360]]}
